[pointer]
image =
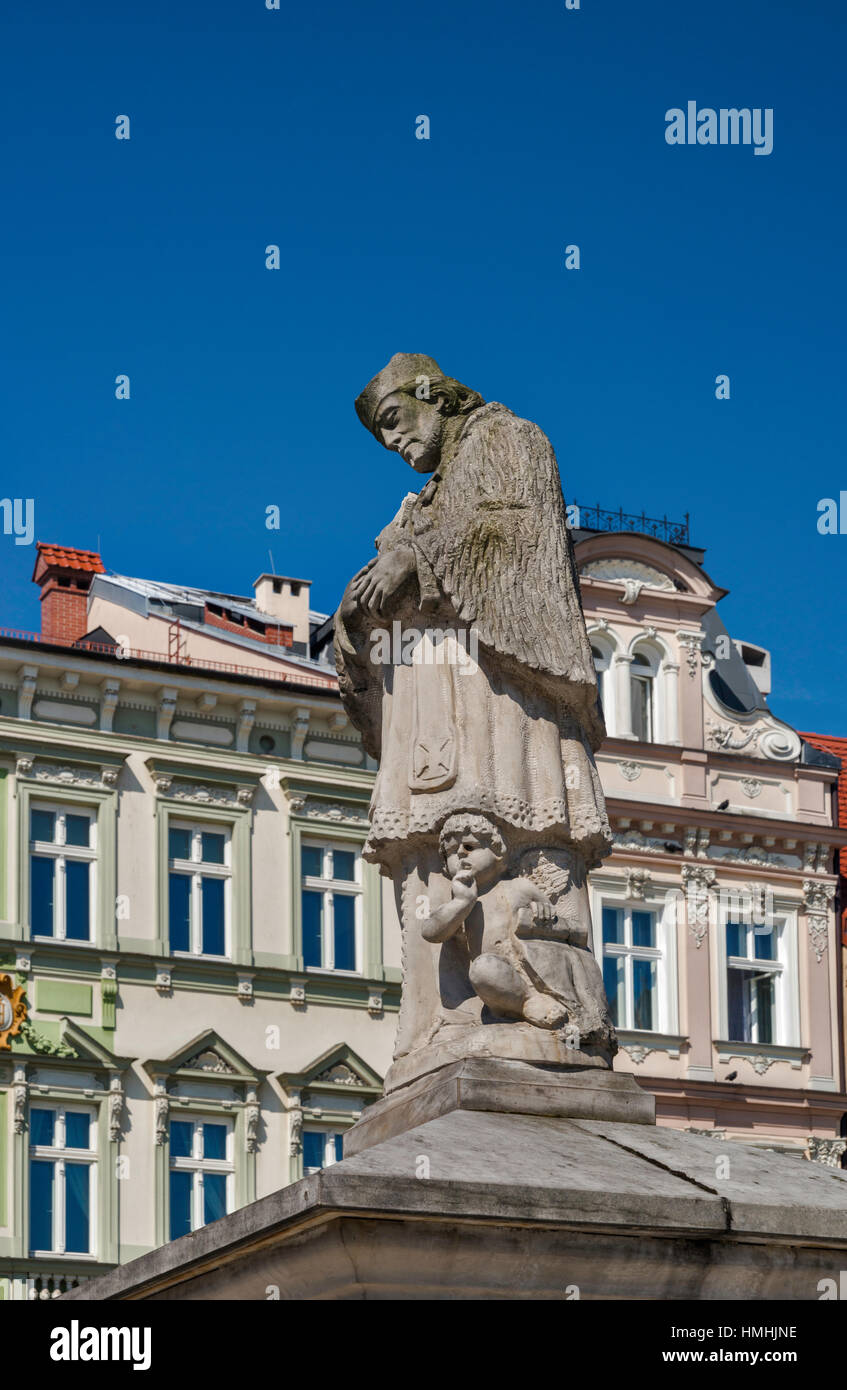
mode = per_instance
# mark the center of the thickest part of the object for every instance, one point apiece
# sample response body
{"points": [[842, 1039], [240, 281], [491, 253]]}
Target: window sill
{"points": [[637, 1042], [761, 1056], [62, 941], [331, 971], [191, 955], [64, 1255]]}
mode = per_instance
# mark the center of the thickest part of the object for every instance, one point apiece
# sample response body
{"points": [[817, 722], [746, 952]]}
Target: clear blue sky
{"points": [[296, 127]]}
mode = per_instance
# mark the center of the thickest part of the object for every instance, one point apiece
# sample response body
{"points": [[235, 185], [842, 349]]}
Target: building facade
{"points": [[211, 973], [211, 993], [715, 916]]}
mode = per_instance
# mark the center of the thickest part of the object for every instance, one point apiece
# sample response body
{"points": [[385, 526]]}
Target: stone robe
{"points": [[512, 735]]}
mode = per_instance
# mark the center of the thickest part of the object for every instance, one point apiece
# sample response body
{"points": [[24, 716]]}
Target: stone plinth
{"points": [[481, 1205], [510, 1087]]}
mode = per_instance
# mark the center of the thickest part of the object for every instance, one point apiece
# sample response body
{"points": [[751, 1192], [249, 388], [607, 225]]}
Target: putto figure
{"points": [[481, 553]]}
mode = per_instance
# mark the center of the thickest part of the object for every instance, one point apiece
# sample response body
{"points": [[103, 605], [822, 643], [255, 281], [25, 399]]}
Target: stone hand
{"points": [[543, 911], [350, 602], [463, 886], [382, 578]]}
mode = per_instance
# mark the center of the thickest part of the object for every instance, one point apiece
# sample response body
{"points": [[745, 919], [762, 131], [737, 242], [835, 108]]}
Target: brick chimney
{"points": [[64, 576]]}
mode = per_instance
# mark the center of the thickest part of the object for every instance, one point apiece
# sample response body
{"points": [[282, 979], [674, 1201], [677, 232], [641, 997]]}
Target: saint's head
{"points": [[407, 407]]}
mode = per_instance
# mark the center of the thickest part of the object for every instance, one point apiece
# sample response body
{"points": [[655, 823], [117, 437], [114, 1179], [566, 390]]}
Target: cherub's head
{"points": [[474, 843]]}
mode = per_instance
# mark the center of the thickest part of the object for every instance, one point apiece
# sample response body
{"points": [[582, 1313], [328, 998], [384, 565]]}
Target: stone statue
{"points": [[464, 662]]}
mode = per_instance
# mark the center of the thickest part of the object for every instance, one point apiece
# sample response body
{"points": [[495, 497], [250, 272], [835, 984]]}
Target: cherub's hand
{"points": [[463, 886], [543, 911]]}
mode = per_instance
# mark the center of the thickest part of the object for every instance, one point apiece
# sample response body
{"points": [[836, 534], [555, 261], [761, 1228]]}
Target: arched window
{"points": [[643, 697]]}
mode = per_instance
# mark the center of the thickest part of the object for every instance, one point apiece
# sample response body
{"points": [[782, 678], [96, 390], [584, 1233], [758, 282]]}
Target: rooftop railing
{"points": [[197, 663], [599, 518]]}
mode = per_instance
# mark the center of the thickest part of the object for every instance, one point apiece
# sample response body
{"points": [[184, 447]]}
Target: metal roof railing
{"points": [[599, 518], [198, 663]]}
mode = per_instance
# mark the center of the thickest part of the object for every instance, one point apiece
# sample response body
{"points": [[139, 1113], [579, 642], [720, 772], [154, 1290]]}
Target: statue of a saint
{"points": [[464, 661]]}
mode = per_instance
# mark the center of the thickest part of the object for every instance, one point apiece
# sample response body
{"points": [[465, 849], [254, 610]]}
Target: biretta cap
{"points": [[402, 372]]}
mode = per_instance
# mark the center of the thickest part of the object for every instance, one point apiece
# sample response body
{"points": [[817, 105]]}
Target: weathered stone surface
{"points": [[479, 1205], [464, 661], [507, 1087]]}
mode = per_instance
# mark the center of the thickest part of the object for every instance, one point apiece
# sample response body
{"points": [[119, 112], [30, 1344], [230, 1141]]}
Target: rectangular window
{"points": [[755, 982], [62, 870], [631, 961], [202, 1173], [331, 906], [641, 688], [199, 890], [321, 1148], [62, 1180]]}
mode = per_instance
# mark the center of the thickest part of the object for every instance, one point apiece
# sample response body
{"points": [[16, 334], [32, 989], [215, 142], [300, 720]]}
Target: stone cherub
{"points": [[526, 959]]}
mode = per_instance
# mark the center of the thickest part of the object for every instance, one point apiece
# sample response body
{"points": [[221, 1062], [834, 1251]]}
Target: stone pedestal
{"points": [[480, 1204], [507, 1087]]}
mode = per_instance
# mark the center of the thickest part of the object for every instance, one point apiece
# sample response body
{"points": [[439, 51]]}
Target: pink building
{"points": [[715, 916]]}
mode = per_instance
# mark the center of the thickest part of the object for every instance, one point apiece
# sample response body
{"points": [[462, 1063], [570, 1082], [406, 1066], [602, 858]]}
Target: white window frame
{"points": [[782, 968], [605, 680], [607, 891], [328, 886], [58, 1154], [60, 852], [199, 1166], [197, 869], [649, 675], [328, 1148]]}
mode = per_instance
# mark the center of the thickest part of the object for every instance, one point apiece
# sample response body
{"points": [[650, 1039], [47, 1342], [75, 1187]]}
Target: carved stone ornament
{"points": [[67, 775], [638, 882], [162, 1110], [340, 1075], [336, 811], [295, 1132], [44, 1045], [691, 642], [209, 794], [760, 1063], [628, 571], [825, 1151], [752, 787], [211, 1061], [631, 771], [19, 1093], [116, 1109], [487, 808], [251, 1120], [698, 882], [631, 590], [637, 1052], [729, 738], [817, 904]]}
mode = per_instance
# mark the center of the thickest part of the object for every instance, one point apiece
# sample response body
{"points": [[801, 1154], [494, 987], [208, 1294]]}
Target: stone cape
{"points": [[514, 737]]}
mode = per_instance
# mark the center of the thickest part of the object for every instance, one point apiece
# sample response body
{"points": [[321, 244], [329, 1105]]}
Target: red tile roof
{"points": [[69, 558], [831, 743]]}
